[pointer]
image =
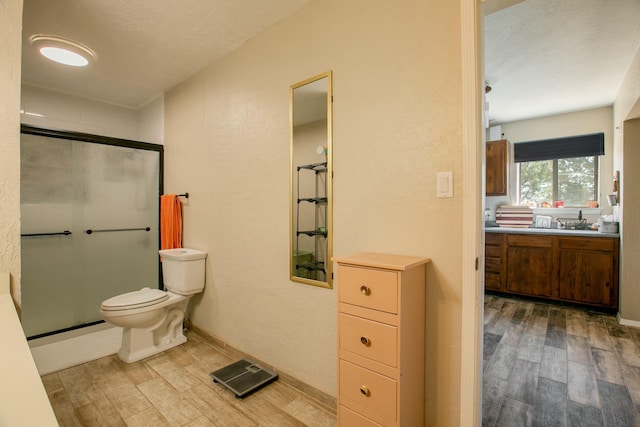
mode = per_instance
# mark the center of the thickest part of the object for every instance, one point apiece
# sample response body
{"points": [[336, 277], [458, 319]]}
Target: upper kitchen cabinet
{"points": [[497, 161]]}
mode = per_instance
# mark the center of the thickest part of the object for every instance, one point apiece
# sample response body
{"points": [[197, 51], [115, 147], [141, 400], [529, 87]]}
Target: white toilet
{"points": [[152, 319]]}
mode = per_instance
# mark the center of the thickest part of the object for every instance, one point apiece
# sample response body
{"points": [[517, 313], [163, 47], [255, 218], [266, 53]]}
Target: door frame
{"points": [[472, 250]]}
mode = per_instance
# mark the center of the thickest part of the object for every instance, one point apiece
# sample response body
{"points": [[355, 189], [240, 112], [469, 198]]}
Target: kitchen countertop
{"points": [[549, 231]]}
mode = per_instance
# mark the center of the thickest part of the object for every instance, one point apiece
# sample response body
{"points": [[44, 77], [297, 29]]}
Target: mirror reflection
{"points": [[310, 181]]}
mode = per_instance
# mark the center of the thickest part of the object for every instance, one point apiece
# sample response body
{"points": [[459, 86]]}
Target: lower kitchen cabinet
{"points": [[589, 271], [530, 265], [575, 269], [494, 268], [381, 320]]}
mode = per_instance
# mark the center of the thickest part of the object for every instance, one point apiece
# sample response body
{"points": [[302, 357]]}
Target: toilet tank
{"points": [[183, 270]]}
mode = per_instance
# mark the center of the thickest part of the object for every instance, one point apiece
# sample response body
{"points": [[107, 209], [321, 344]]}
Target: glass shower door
{"points": [[89, 226]]}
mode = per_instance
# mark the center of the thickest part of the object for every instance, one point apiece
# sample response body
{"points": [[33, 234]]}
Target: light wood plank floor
{"points": [[548, 365], [174, 389]]}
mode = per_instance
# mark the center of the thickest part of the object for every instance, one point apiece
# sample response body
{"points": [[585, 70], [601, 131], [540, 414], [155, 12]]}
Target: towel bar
{"points": [[60, 233], [117, 229]]}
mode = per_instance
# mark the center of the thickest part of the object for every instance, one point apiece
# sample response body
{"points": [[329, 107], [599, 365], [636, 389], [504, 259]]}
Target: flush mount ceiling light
{"points": [[62, 50]]}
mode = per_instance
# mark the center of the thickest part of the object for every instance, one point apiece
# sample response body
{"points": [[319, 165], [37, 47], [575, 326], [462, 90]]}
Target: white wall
{"points": [[151, 122], [54, 110], [10, 46], [397, 122], [570, 124]]}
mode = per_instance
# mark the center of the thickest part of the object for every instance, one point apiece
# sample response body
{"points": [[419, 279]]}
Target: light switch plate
{"points": [[444, 184]]}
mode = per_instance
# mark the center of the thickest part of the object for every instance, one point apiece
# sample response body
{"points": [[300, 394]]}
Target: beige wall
{"points": [[627, 104], [10, 45], [629, 291], [627, 156], [397, 122]]}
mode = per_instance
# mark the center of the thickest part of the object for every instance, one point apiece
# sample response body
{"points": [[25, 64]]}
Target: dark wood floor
{"points": [[547, 365]]}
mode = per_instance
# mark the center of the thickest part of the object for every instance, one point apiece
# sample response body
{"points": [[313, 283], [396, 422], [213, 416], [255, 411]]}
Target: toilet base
{"points": [[129, 355], [139, 343]]}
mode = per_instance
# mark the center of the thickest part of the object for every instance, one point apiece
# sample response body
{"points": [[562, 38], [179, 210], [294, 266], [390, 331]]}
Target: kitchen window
{"points": [[559, 172]]}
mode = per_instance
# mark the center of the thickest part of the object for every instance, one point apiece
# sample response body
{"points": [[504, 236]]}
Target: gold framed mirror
{"points": [[310, 181]]}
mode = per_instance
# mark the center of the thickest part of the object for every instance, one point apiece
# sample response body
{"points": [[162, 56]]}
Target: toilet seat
{"points": [[145, 297]]}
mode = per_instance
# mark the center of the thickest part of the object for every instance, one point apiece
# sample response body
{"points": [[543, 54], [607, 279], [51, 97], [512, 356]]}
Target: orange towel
{"points": [[170, 222]]}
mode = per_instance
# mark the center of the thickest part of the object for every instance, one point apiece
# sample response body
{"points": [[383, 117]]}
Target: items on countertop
{"points": [[514, 216], [510, 216], [606, 224]]}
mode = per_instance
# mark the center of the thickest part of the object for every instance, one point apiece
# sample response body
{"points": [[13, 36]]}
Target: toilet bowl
{"points": [[152, 318]]}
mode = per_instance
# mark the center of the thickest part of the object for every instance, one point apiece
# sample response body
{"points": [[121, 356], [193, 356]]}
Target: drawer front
{"points": [[373, 340], [492, 265], [370, 288], [349, 418], [492, 281], [493, 238], [369, 389], [492, 250], [588, 244], [531, 241]]}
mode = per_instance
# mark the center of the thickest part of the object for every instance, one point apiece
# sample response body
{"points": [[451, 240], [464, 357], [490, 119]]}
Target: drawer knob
{"points": [[364, 390], [366, 341], [365, 290]]}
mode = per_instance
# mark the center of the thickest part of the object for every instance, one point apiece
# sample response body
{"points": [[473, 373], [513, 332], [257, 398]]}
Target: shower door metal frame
{"points": [[104, 140]]}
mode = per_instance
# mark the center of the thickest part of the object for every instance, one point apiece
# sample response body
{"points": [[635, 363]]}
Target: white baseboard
{"points": [[627, 322], [62, 351]]}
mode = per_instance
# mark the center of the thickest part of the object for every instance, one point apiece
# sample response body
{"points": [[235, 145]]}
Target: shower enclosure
{"points": [[90, 225]]}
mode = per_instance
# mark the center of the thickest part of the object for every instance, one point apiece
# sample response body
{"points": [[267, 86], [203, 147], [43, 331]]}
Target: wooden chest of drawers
{"points": [[381, 316]]}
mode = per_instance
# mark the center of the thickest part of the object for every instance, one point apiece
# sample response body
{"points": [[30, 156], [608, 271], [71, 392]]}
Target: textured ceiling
{"points": [[547, 57], [541, 56], [144, 47]]}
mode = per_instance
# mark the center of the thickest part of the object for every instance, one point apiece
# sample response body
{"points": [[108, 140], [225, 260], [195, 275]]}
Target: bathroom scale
{"points": [[243, 377]]}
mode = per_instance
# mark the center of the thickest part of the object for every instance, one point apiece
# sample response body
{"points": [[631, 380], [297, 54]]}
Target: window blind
{"points": [[559, 148]]}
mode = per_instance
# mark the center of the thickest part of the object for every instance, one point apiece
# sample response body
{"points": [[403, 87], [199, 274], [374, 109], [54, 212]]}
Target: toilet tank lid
{"points": [[135, 299], [182, 254]]}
